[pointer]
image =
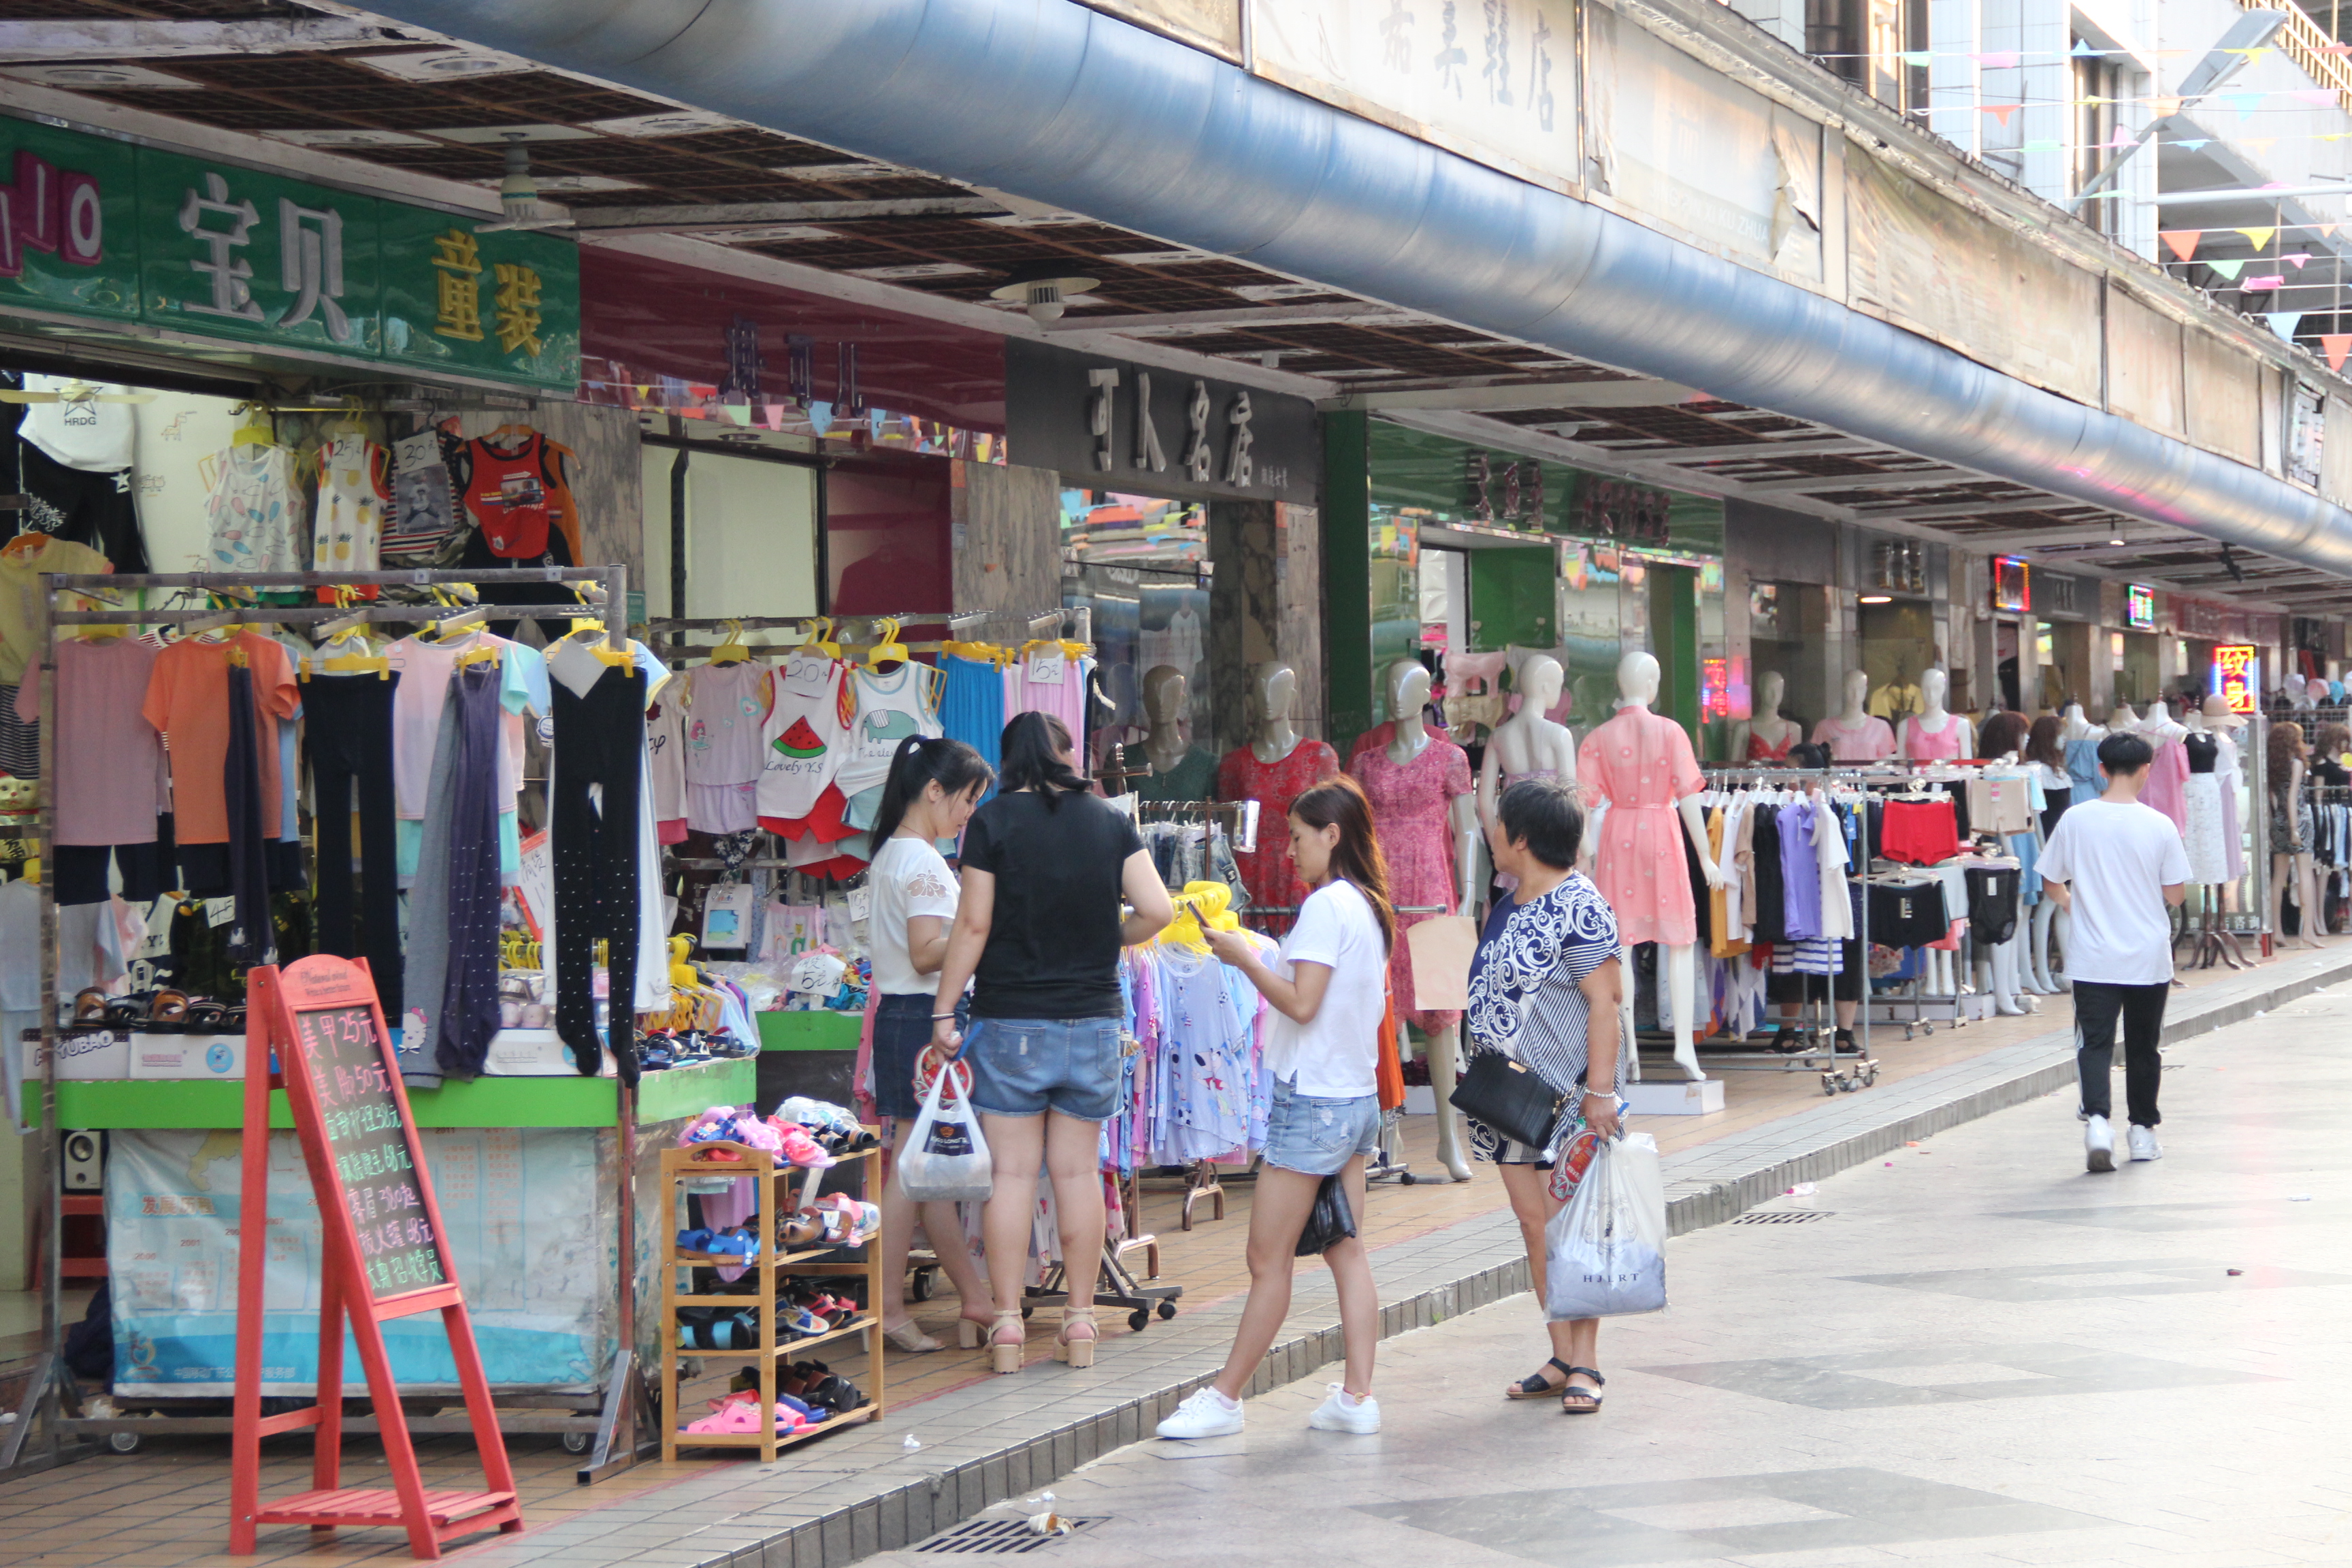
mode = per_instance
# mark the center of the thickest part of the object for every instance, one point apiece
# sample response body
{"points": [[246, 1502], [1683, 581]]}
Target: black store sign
{"points": [[1108, 424], [2068, 598]]}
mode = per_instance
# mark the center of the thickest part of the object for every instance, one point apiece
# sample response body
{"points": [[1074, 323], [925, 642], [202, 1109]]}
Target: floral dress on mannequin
{"points": [[1267, 875], [1411, 812]]}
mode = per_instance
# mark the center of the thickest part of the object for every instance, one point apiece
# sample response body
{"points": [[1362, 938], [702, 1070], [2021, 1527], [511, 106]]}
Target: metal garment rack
{"points": [[665, 634], [612, 1440], [1829, 1062]]}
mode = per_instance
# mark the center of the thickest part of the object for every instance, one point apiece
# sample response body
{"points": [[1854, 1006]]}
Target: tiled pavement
{"points": [[1442, 1250], [1974, 1355]]}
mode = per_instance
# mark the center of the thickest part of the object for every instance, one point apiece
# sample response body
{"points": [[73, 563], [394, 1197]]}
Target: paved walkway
{"points": [[1967, 1354], [1441, 1250]]}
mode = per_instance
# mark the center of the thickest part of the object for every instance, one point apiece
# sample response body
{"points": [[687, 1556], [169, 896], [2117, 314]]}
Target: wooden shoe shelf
{"points": [[773, 1181]]}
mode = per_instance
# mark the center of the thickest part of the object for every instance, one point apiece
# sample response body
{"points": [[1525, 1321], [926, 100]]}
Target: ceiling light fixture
{"points": [[518, 194], [2118, 539], [1876, 599], [1043, 289]]}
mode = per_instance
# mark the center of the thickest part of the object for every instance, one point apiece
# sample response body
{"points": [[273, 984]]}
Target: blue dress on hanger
{"points": [[2083, 767]]}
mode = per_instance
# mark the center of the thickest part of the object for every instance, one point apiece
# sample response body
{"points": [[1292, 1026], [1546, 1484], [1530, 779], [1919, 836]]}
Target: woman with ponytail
{"points": [[928, 796], [1328, 989], [1045, 864]]}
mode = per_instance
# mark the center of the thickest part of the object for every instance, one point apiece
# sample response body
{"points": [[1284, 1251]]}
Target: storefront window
{"points": [[1135, 560]]}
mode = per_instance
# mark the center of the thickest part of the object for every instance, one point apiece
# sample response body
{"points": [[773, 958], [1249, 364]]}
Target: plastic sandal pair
{"points": [[655, 1053], [160, 1012], [804, 1152], [742, 1419], [784, 1402], [735, 1242]]}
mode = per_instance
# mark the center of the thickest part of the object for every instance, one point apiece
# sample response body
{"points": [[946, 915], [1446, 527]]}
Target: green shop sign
{"points": [[98, 228]]}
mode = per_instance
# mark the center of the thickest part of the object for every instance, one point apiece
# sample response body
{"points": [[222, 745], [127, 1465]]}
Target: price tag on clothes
{"points": [[219, 911], [1046, 665], [861, 903], [422, 451]]}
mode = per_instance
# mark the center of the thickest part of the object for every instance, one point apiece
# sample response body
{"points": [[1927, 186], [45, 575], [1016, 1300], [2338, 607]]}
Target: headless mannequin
{"points": [[2078, 728], [1637, 684], [1407, 697], [2302, 866], [2123, 720], [1776, 732], [1931, 718], [1527, 742]]}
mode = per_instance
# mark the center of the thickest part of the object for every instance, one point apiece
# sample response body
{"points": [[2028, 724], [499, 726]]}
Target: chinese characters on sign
{"points": [[1620, 509], [1512, 493], [2139, 606], [369, 1146], [1491, 79], [2237, 677]]}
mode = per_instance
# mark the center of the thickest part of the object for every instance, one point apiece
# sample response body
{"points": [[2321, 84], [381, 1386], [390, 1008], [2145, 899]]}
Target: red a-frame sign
{"points": [[384, 1257]]}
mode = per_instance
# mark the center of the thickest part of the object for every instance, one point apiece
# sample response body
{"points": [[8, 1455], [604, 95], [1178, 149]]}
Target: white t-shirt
{"points": [[908, 878], [92, 436], [1335, 1054], [2118, 859]]}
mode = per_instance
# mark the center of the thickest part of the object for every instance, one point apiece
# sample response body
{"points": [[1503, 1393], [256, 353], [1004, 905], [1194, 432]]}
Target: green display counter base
{"points": [[103, 1104], [821, 1030]]}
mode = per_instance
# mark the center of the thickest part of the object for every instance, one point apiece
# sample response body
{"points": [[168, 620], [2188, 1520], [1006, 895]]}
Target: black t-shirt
{"points": [[1052, 939]]}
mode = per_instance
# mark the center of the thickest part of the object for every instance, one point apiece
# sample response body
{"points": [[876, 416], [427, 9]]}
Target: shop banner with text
{"points": [[96, 228]]}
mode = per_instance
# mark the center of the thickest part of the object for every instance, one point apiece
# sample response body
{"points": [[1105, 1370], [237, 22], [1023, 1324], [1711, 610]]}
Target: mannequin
{"points": [[1425, 814], [1527, 745], [2230, 728], [1180, 770], [1766, 737], [2167, 775], [1642, 766], [1933, 734], [2123, 720], [2078, 728], [1275, 768], [1854, 736], [2291, 834]]}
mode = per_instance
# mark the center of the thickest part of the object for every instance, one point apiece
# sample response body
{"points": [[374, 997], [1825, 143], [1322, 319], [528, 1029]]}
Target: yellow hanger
{"points": [[733, 649], [259, 429], [820, 637], [488, 652], [889, 650], [1201, 904]]}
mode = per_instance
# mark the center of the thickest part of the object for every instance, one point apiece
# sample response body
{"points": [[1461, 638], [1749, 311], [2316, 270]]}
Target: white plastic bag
{"points": [[947, 1159], [1605, 1253]]}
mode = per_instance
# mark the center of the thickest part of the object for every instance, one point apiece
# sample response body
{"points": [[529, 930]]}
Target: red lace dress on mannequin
{"points": [[1410, 805], [1267, 875]]}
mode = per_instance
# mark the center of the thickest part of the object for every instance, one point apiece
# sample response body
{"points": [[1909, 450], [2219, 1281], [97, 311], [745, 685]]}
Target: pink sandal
{"points": [[731, 1420]]}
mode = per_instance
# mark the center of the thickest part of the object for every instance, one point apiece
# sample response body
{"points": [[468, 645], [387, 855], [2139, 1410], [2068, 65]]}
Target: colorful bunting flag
{"points": [[2336, 344], [1920, 58], [2259, 145], [2183, 242], [2245, 103], [2284, 322], [2228, 269], [1997, 59], [2001, 112], [2297, 259], [2190, 144], [2165, 107], [2317, 97], [2258, 238], [2263, 285]]}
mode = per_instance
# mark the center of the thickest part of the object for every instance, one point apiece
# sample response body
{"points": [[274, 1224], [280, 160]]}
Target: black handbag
{"points": [[1508, 1096], [1329, 1223]]}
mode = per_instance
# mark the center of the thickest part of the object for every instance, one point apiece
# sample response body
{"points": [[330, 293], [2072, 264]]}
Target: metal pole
{"points": [[45, 638], [678, 522]]}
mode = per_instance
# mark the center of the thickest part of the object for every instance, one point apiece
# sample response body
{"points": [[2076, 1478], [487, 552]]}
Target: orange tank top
{"points": [[514, 496]]}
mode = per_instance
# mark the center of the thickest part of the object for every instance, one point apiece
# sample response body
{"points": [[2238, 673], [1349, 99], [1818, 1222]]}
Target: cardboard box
{"points": [[210, 1058], [82, 1054]]}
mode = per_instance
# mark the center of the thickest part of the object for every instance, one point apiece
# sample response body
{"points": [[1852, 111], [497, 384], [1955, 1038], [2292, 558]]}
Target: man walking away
{"points": [[2115, 865]]}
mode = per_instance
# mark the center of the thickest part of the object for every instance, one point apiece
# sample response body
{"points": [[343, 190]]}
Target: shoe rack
{"points": [[774, 1184]]}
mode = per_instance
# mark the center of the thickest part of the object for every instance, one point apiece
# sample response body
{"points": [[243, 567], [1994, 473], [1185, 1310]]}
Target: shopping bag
{"points": [[946, 1159], [1329, 1223], [1605, 1253]]}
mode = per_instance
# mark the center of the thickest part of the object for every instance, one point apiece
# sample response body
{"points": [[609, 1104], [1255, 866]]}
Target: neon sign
{"points": [[2237, 677], [2139, 606], [2010, 587]]}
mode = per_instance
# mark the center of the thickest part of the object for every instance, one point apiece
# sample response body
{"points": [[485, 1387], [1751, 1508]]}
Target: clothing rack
{"points": [[612, 1425], [667, 634]]}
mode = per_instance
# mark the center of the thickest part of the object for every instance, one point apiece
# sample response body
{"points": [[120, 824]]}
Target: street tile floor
{"points": [[1978, 1356], [1441, 1250]]}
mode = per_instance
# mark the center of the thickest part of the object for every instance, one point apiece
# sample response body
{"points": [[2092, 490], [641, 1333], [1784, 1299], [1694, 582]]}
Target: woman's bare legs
{"points": [[1575, 1343], [945, 1228]]}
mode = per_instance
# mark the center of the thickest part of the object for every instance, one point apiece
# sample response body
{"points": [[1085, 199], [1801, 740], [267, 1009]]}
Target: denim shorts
{"points": [[902, 1028], [1022, 1066], [1316, 1136]]}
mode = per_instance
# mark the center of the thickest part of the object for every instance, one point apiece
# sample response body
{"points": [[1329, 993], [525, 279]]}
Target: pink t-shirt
{"points": [[1869, 743], [111, 781], [1922, 745]]}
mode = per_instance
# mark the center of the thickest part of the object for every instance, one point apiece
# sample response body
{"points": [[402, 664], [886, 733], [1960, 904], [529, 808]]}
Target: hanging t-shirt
{"points": [[20, 592], [892, 706], [666, 765], [110, 784], [518, 494], [801, 741], [83, 433], [187, 700], [352, 497], [256, 512], [1337, 1052], [908, 878], [1053, 940]]}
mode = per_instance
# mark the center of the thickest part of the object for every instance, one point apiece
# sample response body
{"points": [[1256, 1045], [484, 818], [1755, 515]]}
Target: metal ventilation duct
{"points": [[1062, 105]]}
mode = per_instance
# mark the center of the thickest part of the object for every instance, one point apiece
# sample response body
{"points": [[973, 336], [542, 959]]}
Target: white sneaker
{"points": [[2144, 1145], [1206, 1414], [1339, 1413], [2098, 1144]]}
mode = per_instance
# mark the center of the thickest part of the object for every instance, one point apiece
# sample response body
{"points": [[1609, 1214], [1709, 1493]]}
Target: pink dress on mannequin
{"points": [[1642, 763], [1870, 743], [1922, 745], [1410, 802]]}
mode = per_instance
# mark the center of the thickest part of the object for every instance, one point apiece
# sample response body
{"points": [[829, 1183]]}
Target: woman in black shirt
{"points": [[1037, 932]]}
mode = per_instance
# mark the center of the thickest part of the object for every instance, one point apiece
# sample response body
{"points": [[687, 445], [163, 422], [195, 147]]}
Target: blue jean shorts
{"points": [[1023, 1067], [1316, 1136]]}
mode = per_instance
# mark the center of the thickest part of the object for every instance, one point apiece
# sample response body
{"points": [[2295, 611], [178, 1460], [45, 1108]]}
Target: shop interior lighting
{"points": [[1876, 599]]}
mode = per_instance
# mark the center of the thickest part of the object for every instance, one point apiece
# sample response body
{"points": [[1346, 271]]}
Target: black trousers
{"points": [[2098, 1004], [251, 936], [558, 554], [600, 741], [469, 996], [347, 735]]}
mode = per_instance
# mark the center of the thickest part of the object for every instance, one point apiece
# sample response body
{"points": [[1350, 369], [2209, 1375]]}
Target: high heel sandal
{"points": [[971, 1333], [1076, 1352], [1006, 1355]]}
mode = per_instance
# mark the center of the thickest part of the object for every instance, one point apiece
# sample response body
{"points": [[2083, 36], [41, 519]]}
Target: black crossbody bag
{"points": [[1510, 1097]]}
